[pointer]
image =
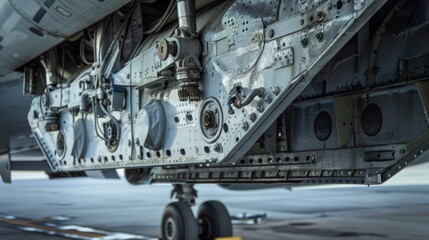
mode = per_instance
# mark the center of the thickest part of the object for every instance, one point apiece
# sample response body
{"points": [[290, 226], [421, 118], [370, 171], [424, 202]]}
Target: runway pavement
{"points": [[107, 209]]}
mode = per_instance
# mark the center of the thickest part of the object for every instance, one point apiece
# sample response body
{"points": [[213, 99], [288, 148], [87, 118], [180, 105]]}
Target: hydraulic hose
{"points": [[113, 119], [258, 92]]}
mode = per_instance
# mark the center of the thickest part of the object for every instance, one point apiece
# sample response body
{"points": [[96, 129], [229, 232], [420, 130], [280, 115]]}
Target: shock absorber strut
{"points": [[185, 49]]}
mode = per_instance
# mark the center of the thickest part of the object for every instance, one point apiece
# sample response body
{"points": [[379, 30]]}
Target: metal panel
{"points": [[30, 28]]}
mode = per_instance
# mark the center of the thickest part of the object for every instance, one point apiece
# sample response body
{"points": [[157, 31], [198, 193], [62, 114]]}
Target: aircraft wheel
{"points": [[214, 221], [179, 223]]}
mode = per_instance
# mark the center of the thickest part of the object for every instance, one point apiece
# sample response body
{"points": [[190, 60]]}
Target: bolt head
{"points": [[320, 15], [319, 36], [271, 33], [216, 147], [304, 42], [252, 117], [209, 119], [276, 90]]}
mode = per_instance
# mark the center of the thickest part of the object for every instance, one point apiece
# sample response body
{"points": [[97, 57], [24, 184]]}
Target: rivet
{"points": [[304, 42]]}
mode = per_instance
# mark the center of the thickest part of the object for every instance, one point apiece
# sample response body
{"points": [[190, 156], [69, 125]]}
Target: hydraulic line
{"points": [[96, 127], [115, 121], [258, 92]]}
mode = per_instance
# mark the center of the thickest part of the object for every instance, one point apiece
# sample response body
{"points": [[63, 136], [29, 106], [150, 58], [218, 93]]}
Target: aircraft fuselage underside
{"points": [[309, 92]]}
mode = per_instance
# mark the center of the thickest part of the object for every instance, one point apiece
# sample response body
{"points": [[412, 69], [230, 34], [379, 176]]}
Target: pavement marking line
{"points": [[229, 238], [45, 226], [29, 223]]}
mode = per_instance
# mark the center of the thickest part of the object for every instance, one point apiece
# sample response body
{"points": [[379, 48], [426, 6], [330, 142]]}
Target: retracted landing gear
{"points": [[179, 223]]}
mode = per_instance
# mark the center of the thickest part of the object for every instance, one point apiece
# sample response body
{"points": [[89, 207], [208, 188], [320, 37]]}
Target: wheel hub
{"points": [[170, 229], [205, 228]]}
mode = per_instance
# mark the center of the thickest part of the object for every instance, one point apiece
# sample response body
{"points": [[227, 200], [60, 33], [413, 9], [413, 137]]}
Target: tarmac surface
{"points": [[114, 210]]}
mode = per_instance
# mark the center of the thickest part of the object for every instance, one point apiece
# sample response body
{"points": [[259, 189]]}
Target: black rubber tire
{"points": [[214, 221], [178, 215]]}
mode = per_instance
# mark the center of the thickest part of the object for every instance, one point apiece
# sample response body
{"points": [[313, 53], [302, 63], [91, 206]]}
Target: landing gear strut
{"points": [[179, 223]]}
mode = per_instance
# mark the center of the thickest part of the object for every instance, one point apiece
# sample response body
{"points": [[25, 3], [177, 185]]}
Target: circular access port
{"points": [[323, 126], [211, 120], [371, 119], [61, 144]]}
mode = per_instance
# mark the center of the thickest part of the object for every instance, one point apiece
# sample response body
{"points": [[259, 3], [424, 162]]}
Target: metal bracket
{"points": [[423, 88], [284, 57], [344, 112], [270, 139], [103, 174], [184, 193], [373, 176]]}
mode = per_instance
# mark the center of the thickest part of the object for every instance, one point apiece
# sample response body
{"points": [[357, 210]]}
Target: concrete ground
{"points": [[107, 209]]}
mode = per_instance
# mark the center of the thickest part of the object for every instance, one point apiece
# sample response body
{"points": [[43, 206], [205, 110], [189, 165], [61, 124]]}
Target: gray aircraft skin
{"points": [[278, 93]]}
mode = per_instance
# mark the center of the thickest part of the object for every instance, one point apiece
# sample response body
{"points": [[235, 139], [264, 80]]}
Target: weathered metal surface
{"points": [[282, 86]]}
